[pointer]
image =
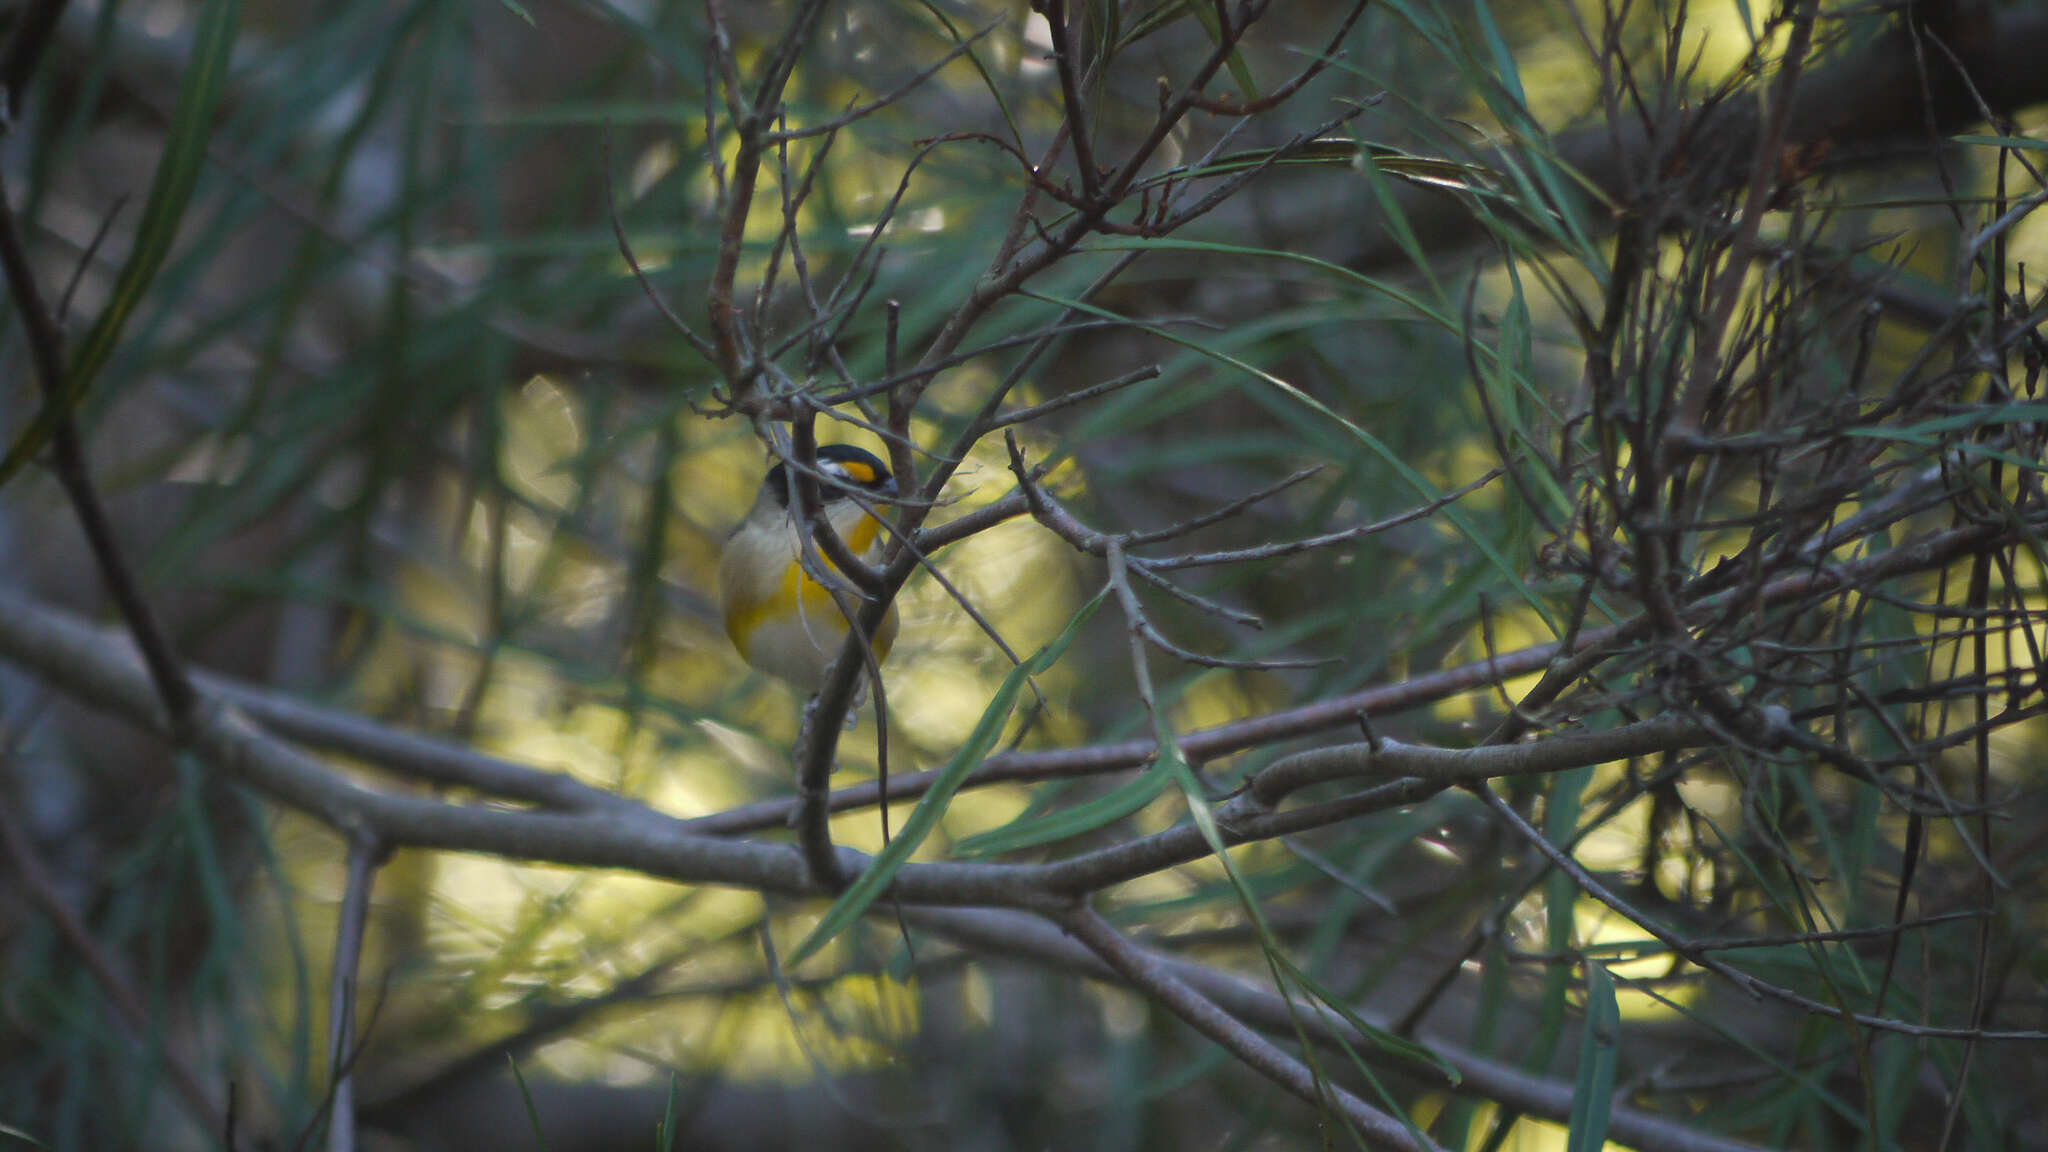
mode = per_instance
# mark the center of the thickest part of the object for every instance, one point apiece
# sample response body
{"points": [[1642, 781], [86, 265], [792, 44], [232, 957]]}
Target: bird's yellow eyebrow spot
{"points": [[857, 471]]}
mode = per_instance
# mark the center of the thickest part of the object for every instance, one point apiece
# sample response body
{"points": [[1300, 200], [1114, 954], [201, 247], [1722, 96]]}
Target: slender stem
{"points": [[365, 853], [46, 350], [35, 881], [1148, 974]]}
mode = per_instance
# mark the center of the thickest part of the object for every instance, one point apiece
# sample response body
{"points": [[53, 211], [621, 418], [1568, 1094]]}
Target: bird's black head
{"points": [[851, 470]]}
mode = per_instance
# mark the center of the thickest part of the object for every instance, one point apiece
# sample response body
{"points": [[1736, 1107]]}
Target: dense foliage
{"points": [[1468, 575]]}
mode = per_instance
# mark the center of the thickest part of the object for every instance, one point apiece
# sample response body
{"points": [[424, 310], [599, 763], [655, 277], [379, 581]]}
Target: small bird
{"points": [[782, 620]]}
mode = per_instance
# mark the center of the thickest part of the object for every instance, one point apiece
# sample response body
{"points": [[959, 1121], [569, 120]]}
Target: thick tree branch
{"points": [[1018, 936]]}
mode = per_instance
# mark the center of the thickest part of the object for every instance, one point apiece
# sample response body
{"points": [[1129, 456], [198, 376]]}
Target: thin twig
{"points": [[365, 854], [122, 997], [46, 350], [1165, 987], [1564, 862]]}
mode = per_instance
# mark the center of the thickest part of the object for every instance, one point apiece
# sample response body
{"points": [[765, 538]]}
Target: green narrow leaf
{"points": [[526, 1096], [1503, 60], [1415, 480], [1340, 152], [1791, 1075], [1593, 1095], [1894, 1067], [1148, 23], [1388, 288], [2003, 142], [1029, 831], [1562, 804], [1395, 219], [1248, 89], [875, 878], [1380, 1038], [1516, 395], [665, 1132], [988, 81], [170, 193], [1748, 18], [1959, 447], [1277, 962], [197, 823], [1976, 417]]}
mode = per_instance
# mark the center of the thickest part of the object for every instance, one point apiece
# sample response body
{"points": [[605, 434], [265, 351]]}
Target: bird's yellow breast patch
{"points": [[799, 598]]}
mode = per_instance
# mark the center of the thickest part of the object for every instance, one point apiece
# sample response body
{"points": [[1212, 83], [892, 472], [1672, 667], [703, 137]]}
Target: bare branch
{"points": [[1164, 986]]}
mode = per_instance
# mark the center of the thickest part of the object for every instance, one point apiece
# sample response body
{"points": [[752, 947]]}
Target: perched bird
{"points": [[782, 620]]}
